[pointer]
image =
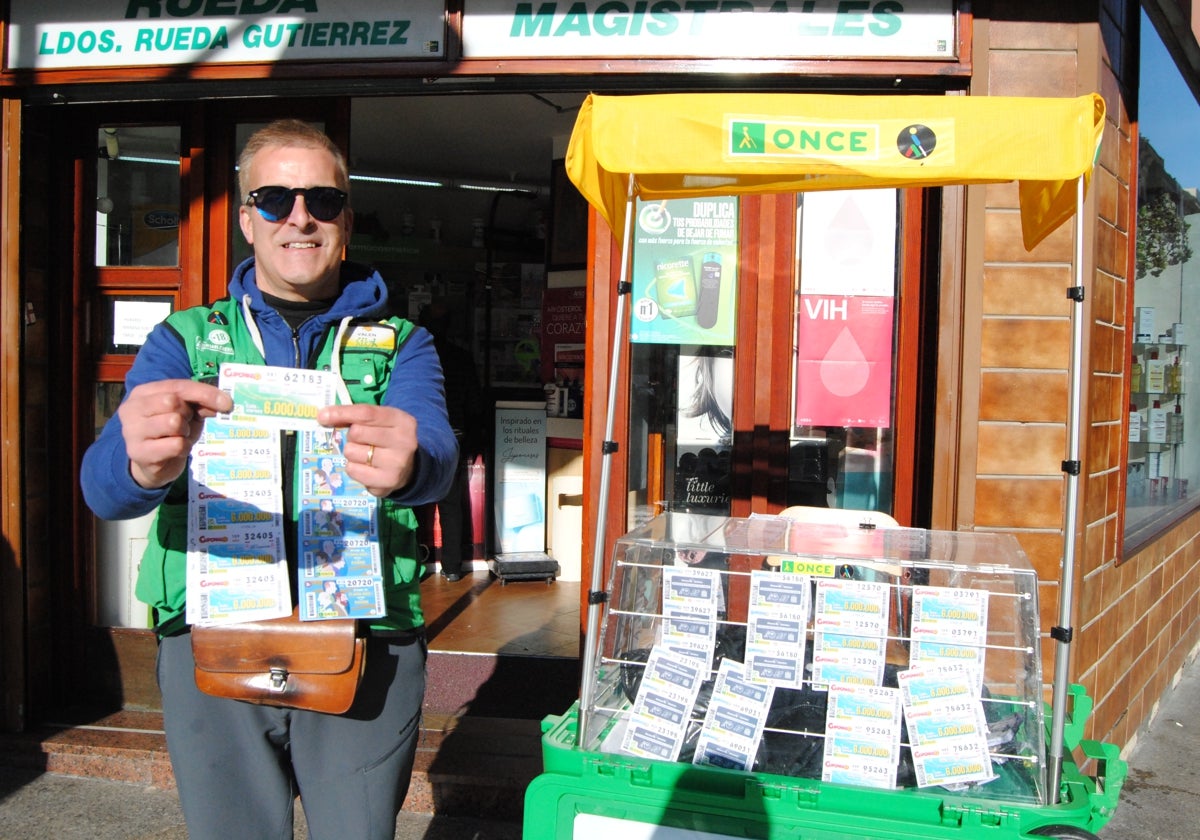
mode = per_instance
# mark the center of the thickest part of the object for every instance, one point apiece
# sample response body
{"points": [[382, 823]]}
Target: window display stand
{"points": [[872, 609], [1156, 428]]}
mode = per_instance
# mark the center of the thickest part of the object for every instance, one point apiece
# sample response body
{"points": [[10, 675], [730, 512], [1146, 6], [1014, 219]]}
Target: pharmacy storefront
{"points": [[866, 351]]}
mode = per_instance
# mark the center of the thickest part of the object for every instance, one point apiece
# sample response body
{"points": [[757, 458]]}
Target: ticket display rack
{"points": [[859, 681]]}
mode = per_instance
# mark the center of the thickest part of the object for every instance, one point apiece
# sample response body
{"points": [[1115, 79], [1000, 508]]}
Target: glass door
{"points": [[775, 356], [135, 262], [844, 369], [137, 186]]}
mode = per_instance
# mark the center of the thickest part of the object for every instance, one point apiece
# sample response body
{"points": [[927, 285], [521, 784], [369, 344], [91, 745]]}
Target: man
{"points": [[238, 765]]}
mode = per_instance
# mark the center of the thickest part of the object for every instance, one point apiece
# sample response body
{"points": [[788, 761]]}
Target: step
{"points": [[465, 766], [498, 686], [125, 747], [475, 766]]}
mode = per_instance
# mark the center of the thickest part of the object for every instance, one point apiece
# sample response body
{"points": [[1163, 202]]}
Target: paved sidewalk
{"points": [[53, 807], [1161, 799]]}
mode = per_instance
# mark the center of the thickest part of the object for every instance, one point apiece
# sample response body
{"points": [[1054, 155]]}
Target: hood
{"points": [[364, 294]]}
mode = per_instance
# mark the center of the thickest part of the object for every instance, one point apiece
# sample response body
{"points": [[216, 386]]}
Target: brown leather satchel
{"points": [[315, 665]]}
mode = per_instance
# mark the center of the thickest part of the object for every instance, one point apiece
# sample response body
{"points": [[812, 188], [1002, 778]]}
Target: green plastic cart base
{"points": [[593, 796]]}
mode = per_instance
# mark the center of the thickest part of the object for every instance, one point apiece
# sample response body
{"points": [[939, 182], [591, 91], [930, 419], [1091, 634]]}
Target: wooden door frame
{"points": [[13, 671], [121, 660]]}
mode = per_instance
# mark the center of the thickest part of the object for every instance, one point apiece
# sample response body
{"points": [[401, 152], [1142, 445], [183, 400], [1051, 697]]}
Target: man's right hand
{"points": [[161, 420]]}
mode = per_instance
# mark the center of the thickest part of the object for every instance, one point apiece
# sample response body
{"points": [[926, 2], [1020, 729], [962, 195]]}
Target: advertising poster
{"points": [[685, 271], [844, 361], [704, 408], [848, 243], [521, 476], [563, 321], [846, 312]]}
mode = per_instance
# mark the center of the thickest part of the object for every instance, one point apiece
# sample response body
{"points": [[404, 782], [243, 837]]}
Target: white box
{"points": [[1143, 321]]}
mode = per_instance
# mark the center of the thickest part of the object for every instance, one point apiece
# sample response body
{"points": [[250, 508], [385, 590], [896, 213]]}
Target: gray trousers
{"points": [[239, 766]]}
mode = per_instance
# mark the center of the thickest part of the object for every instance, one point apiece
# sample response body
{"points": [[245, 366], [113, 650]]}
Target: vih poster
{"points": [[846, 309]]}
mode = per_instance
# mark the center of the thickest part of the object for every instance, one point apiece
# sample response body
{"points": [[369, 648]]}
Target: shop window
{"points": [[841, 448], [126, 318], [137, 195], [682, 335], [1163, 468]]}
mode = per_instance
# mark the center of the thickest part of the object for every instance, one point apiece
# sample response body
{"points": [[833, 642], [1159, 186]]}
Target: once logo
{"points": [[801, 139], [916, 142]]}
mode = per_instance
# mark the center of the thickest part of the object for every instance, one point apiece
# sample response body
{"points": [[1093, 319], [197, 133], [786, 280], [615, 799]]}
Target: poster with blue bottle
{"points": [[685, 271]]}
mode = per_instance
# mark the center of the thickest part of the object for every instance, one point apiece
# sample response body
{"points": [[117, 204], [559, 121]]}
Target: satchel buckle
{"points": [[278, 679]]}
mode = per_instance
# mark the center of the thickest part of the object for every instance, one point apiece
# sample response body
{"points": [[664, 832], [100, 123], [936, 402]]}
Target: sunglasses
{"points": [[275, 203]]}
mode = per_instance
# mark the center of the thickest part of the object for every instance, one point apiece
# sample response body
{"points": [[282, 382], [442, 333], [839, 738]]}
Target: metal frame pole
{"points": [[1062, 632], [609, 448]]}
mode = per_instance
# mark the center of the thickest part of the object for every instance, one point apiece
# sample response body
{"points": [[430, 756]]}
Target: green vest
{"points": [[217, 334]]}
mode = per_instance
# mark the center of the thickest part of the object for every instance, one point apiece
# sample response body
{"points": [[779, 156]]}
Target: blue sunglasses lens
{"points": [[275, 203]]}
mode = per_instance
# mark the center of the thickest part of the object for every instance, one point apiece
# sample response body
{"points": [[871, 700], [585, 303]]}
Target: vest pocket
{"points": [[365, 375]]}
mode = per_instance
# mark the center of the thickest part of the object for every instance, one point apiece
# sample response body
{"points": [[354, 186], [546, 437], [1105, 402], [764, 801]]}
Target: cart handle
{"points": [[1080, 710]]}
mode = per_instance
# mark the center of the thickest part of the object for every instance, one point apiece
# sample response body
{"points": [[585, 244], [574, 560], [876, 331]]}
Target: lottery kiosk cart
{"points": [[772, 678], [769, 677]]}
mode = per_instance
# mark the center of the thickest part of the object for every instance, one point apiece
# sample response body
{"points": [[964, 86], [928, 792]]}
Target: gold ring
{"points": [[370, 454]]}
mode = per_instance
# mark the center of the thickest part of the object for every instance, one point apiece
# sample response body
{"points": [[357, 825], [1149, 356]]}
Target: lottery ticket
{"points": [[339, 557], [690, 589], [949, 614], [333, 597], [952, 767], [277, 397], [662, 709], [783, 671], [946, 725], [235, 566], [862, 735], [780, 593], [715, 753], [227, 593], [777, 627], [938, 682], [876, 774], [941, 723], [341, 575], [734, 720], [643, 738], [692, 631], [850, 660], [851, 607], [326, 516]]}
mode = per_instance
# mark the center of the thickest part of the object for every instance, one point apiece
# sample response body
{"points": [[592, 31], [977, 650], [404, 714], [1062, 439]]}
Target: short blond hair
{"points": [[289, 133]]}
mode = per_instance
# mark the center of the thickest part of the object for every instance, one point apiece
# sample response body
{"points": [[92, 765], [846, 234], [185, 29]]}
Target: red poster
{"points": [[563, 318], [844, 361]]}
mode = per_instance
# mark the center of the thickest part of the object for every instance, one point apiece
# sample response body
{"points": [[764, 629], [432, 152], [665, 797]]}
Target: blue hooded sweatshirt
{"points": [[415, 386]]}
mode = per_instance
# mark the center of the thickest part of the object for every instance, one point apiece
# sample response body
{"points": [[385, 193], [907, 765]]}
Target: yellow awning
{"points": [[681, 145]]}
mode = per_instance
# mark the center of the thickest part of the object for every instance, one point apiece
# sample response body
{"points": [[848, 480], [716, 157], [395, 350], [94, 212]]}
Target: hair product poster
{"points": [[703, 411], [685, 271]]}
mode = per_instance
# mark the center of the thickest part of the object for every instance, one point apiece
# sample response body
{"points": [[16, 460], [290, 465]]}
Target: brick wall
{"points": [[1135, 620]]}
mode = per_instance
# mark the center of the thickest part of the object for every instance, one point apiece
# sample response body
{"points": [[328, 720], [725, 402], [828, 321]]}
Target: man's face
{"points": [[297, 257]]}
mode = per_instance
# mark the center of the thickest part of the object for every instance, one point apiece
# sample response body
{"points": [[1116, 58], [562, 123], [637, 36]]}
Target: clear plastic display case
{"points": [[980, 586]]}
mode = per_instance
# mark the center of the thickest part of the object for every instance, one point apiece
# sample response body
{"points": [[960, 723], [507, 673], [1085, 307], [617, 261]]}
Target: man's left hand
{"points": [[380, 444]]}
